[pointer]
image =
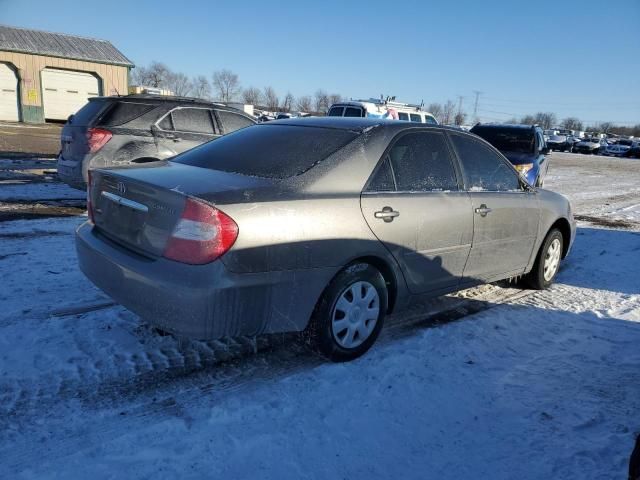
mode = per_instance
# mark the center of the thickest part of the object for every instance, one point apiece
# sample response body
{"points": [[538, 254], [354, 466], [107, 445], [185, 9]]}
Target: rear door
{"points": [[184, 128], [413, 204], [506, 216]]}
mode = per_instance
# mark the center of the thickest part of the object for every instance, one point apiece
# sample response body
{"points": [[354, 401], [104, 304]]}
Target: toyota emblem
{"points": [[121, 188]]}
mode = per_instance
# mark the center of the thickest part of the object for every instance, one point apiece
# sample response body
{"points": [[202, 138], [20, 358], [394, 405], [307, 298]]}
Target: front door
{"points": [[505, 217], [413, 205]]}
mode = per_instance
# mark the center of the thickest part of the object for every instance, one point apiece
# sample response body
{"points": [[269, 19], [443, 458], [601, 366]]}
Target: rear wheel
{"points": [[547, 262], [349, 316]]}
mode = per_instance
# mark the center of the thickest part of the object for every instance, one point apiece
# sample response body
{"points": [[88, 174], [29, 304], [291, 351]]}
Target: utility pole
{"points": [[460, 97], [475, 105]]}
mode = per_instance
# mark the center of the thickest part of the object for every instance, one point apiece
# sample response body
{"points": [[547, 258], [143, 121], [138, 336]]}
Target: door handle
{"points": [[387, 214], [482, 210]]}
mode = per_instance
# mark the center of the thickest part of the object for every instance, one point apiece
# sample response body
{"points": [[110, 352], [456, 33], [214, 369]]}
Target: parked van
{"points": [[379, 108]]}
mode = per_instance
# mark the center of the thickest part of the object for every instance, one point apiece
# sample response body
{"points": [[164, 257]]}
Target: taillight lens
{"points": [[89, 205], [202, 234], [97, 138]]}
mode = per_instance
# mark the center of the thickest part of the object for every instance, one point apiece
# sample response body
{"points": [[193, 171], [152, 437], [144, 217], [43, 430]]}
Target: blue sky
{"points": [[578, 58]]}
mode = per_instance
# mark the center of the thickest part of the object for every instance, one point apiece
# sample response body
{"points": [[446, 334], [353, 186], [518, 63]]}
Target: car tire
{"points": [[349, 315], [547, 262]]}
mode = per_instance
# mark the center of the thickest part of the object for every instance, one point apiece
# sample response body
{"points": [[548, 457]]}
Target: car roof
{"points": [[507, 125], [163, 99], [354, 123]]}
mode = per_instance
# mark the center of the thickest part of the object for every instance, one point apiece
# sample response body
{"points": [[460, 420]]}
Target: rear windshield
{"points": [[271, 151], [123, 112], [86, 114], [508, 139]]}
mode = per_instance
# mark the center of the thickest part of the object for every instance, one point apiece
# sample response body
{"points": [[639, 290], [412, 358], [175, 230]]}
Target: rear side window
{"points": [[353, 112], [88, 113], [268, 150], [422, 162], [484, 169], [197, 120], [335, 112], [232, 121], [382, 179], [123, 112], [403, 116], [416, 118]]}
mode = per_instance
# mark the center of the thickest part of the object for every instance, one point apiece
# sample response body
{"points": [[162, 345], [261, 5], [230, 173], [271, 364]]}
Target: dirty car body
{"points": [[296, 203], [113, 131]]}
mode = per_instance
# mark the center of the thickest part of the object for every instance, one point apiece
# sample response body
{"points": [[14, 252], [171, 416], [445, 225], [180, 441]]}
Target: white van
{"points": [[387, 109]]}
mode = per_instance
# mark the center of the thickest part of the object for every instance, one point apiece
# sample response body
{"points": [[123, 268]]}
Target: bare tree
{"points": [[201, 88], [321, 101], [435, 109], [304, 104], [271, 99], [252, 96], [448, 112], [287, 102], [528, 120], [605, 127], [460, 118], [178, 83], [333, 98], [226, 85], [155, 75], [545, 119], [572, 123]]}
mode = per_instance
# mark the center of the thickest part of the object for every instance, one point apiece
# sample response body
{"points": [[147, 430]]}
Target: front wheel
{"points": [[349, 316], [547, 262]]}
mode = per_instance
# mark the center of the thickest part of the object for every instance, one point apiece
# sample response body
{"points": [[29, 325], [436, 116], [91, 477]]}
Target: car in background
{"points": [[523, 145], [634, 151], [111, 131], [618, 149], [321, 225], [387, 109], [592, 145], [560, 143]]}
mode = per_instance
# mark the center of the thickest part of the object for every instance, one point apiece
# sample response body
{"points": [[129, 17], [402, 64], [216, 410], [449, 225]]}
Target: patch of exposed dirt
{"points": [[28, 211], [606, 222]]}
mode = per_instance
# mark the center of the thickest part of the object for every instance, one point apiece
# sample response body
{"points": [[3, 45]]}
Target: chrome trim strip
{"points": [[125, 201]]}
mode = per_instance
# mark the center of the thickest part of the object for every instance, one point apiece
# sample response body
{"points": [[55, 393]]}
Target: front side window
{"points": [[483, 168], [196, 120], [430, 120], [335, 112], [422, 162], [232, 121]]}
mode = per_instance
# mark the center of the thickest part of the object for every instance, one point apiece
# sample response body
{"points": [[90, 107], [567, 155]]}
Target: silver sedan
{"points": [[322, 225]]}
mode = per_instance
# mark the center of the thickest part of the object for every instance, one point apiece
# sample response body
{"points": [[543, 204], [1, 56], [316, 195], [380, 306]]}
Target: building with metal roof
{"points": [[49, 76]]}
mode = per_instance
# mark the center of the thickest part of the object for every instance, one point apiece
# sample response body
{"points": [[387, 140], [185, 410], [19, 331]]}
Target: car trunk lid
{"points": [[139, 207]]}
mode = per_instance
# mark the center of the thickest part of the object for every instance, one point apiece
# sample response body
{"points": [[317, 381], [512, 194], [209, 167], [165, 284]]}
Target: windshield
{"points": [[269, 150], [507, 139]]}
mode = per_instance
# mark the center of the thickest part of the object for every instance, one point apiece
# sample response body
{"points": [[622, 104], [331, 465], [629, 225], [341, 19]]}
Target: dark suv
{"points": [[523, 145], [111, 131]]}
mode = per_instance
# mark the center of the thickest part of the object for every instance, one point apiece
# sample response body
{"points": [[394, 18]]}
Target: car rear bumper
{"points": [[200, 301], [72, 172]]}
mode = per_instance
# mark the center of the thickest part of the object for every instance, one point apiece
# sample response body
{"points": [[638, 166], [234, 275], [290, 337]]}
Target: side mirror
{"points": [[544, 150], [70, 118]]}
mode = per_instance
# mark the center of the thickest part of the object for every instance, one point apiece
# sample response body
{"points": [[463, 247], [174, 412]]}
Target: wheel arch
{"points": [[563, 225], [387, 272]]}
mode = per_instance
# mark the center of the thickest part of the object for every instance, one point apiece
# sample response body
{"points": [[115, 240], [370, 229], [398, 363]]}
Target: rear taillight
{"points": [[89, 205], [97, 138], [202, 234]]}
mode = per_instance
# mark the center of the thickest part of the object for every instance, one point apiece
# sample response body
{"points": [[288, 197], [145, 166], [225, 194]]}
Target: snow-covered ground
{"points": [[533, 385]]}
